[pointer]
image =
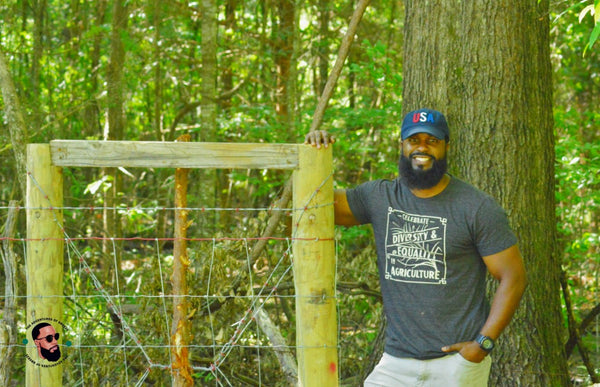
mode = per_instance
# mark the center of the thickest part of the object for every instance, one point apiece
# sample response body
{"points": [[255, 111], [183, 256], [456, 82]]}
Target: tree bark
{"points": [[323, 44], [209, 70], [283, 51], [114, 131], [181, 326], [39, 8], [158, 73], [8, 326], [92, 112], [16, 122], [226, 70], [486, 65], [208, 107]]}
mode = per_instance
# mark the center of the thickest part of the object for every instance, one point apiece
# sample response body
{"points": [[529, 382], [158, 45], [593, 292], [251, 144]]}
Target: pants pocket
{"points": [[468, 373]]}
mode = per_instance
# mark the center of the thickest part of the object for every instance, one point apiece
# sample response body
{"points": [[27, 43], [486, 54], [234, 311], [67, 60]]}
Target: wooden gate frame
{"points": [[313, 244]]}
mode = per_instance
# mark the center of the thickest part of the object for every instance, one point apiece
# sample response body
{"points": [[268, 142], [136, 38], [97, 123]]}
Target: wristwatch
{"points": [[485, 342]]}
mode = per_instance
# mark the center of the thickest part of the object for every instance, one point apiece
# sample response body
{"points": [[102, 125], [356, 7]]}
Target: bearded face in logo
{"points": [[46, 340]]}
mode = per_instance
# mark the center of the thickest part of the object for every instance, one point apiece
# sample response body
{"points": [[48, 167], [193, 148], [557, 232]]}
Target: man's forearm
{"points": [[504, 304]]}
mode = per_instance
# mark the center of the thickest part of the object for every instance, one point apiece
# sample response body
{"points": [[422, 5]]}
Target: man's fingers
{"points": [[315, 138], [456, 347], [318, 138]]}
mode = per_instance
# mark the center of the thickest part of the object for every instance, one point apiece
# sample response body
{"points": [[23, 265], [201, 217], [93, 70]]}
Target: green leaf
{"points": [[94, 186], [594, 35]]}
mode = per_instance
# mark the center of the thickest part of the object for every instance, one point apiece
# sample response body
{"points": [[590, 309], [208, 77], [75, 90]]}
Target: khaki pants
{"points": [[448, 371]]}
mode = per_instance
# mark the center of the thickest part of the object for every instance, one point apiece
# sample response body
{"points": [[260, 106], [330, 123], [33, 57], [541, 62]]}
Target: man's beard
{"points": [[419, 178], [50, 356]]}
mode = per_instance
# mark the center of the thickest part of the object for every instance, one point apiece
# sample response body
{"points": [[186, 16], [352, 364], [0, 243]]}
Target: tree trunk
{"points": [[92, 112], [208, 107], [39, 9], [8, 324], [486, 65], [114, 131], [209, 70], [284, 50], [226, 70], [158, 73], [323, 45], [16, 122]]}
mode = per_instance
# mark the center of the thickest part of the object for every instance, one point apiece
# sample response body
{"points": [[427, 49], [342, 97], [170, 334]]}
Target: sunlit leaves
{"points": [[594, 11]]}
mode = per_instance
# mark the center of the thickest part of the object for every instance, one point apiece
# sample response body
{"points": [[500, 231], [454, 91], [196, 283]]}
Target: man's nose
{"points": [[422, 147], [424, 143]]}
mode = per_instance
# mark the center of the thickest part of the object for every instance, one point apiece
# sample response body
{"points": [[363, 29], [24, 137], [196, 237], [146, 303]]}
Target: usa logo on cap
{"points": [[423, 117], [425, 121]]}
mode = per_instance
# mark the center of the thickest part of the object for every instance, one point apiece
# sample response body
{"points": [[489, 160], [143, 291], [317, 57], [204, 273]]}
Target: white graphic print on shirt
{"points": [[415, 248]]}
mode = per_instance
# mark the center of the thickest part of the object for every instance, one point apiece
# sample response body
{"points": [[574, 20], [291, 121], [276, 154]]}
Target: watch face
{"points": [[487, 344]]}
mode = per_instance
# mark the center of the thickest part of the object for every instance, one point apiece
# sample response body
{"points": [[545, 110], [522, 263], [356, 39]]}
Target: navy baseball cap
{"points": [[425, 121]]}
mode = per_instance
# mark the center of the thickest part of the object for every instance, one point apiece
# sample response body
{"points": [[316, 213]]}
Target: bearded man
{"points": [[436, 237]]}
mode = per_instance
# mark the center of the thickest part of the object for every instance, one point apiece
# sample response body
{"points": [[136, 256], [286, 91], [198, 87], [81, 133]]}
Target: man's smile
{"points": [[421, 159]]}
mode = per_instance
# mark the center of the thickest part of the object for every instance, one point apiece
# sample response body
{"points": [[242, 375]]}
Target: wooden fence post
{"points": [[314, 268], [45, 244]]}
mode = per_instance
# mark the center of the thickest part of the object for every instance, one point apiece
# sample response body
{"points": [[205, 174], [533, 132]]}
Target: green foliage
{"points": [[578, 197], [577, 168], [594, 11], [66, 97], [577, 155]]}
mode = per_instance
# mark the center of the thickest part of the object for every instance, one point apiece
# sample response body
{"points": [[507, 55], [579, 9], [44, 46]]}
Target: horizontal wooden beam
{"points": [[156, 154]]}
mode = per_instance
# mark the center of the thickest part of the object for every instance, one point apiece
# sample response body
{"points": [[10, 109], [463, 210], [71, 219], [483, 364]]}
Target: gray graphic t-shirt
{"points": [[429, 258]]}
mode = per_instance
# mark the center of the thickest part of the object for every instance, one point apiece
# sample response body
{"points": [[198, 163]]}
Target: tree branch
{"points": [[587, 320], [573, 329], [284, 356], [339, 64]]}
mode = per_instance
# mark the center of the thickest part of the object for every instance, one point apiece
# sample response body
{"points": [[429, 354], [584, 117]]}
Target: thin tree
{"points": [[92, 111], [324, 9], [15, 120], [114, 131], [283, 41], [209, 70], [39, 9]]}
